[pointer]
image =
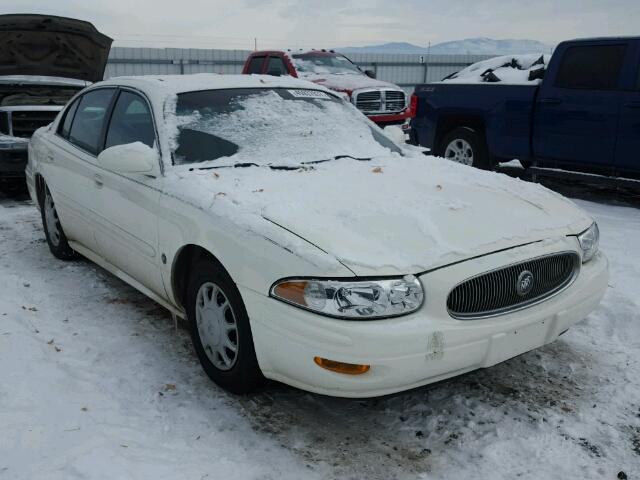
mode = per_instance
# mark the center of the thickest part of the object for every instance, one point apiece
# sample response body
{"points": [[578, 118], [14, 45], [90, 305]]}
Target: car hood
{"points": [[348, 82], [393, 216], [52, 46]]}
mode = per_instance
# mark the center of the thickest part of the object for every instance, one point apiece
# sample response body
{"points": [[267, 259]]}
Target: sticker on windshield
{"points": [[308, 94]]}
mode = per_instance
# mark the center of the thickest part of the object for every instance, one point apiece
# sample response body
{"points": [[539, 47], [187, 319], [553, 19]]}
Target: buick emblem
{"points": [[525, 283]]}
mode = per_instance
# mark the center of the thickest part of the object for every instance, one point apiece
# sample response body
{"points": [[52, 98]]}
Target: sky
{"points": [[237, 24]]}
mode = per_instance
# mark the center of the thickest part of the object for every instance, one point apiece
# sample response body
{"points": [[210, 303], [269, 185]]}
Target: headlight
{"points": [[350, 299], [589, 241]]}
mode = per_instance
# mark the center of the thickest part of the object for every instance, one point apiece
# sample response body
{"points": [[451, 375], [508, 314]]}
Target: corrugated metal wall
{"points": [[401, 69]]}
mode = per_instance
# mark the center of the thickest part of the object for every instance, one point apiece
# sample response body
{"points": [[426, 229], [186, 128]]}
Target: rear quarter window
{"points": [[88, 121], [591, 67], [65, 124], [255, 64]]}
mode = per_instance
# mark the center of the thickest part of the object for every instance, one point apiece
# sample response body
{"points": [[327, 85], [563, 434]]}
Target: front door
{"points": [[576, 120], [627, 158], [127, 231]]}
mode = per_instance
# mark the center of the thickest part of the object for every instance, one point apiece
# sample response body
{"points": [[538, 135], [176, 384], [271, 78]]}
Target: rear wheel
{"points": [[56, 239], [467, 146], [220, 329]]}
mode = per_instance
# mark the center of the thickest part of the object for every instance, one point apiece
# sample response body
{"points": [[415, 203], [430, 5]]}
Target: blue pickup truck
{"points": [[584, 116]]}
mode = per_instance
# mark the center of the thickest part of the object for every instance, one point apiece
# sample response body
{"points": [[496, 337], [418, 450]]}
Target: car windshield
{"points": [[323, 63], [275, 127]]}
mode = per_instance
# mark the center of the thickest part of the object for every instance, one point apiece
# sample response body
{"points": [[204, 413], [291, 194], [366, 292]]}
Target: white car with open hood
{"points": [[300, 242]]}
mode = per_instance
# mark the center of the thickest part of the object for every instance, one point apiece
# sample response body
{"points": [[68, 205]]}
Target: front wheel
{"points": [[220, 329], [467, 146], [56, 239]]}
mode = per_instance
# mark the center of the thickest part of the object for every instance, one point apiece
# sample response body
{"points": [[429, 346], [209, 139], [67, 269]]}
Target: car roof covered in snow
{"points": [[166, 85], [602, 39]]}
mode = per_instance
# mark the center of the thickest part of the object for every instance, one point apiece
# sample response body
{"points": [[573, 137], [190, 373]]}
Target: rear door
{"points": [[71, 165], [577, 110], [627, 157]]}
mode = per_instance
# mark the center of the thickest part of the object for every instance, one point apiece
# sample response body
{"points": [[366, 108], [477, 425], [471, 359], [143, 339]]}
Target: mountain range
{"points": [[471, 46]]}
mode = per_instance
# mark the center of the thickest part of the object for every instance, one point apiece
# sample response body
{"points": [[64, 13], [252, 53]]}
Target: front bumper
{"points": [[389, 118], [421, 348], [13, 161]]}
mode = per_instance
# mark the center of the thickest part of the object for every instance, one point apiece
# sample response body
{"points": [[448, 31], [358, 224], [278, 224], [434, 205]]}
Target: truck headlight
{"points": [[589, 242], [353, 299]]}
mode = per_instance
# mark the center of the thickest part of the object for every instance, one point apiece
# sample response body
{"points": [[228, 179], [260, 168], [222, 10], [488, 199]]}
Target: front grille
{"points": [[381, 101], [369, 101], [497, 292], [24, 123], [395, 101]]}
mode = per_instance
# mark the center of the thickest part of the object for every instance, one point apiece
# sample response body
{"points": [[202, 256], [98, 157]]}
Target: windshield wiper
{"points": [[337, 157], [248, 164]]}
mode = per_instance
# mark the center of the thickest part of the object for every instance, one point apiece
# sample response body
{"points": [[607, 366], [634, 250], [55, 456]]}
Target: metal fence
{"points": [[402, 69]]}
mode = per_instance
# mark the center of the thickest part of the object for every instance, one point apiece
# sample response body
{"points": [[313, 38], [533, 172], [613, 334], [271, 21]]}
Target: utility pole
{"points": [[255, 44]]}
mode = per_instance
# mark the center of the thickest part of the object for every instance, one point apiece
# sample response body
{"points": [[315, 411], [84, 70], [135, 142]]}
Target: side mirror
{"points": [[370, 73], [131, 158]]}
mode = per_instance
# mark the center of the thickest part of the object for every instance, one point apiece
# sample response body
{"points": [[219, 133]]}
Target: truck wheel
{"points": [[220, 329], [56, 239], [467, 146]]}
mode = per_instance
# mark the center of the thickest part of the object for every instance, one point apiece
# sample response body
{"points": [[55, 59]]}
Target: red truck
{"points": [[383, 102]]}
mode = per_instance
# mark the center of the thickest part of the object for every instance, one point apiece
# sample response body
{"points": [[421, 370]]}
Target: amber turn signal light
{"points": [[341, 367]]}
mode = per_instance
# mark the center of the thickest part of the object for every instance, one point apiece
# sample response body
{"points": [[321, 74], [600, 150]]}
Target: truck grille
{"points": [[24, 123], [380, 101], [501, 291]]}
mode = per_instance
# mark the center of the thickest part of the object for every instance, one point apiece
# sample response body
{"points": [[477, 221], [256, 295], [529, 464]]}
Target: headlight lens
{"points": [[353, 299], [589, 242]]}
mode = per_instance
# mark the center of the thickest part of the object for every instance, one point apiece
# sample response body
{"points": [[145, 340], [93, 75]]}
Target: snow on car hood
{"points": [[47, 45], [346, 81], [390, 215]]}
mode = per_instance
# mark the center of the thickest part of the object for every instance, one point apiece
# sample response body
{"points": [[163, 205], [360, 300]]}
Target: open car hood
{"points": [[46, 45]]}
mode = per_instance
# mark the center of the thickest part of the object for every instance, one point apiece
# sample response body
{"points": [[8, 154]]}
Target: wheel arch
{"points": [[449, 123], [39, 183], [184, 261]]}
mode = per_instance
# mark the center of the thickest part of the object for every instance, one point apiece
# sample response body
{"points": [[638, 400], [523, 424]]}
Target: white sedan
{"points": [[300, 242]]}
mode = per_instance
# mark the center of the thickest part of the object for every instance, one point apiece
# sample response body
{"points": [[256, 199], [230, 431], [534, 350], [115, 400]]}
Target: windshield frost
{"points": [[279, 127]]}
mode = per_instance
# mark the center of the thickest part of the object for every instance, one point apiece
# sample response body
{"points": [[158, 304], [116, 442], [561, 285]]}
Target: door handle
{"points": [[550, 101], [632, 104], [50, 158], [97, 179]]}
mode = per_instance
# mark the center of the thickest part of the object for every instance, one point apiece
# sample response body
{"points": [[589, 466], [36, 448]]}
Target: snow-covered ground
{"points": [[96, 383]]}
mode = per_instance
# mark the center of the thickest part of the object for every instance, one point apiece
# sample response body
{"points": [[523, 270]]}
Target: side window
{"points": [[276, 66], [591, 67], [255, 65], [65, 125], [638, 81], [86, 129], [130, 122]]}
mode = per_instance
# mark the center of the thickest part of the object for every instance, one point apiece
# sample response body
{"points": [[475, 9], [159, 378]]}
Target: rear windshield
{"points": [[267, 126]]}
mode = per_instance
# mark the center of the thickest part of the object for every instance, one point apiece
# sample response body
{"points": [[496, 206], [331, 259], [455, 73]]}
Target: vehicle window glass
{"points": [[638, 81], [65, 124], [255, 65], [276, 66], [88, 121], [594, 67], [323, 63], [272, 126], [130, 122]]}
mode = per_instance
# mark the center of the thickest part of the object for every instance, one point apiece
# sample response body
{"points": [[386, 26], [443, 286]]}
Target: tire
{"points": [[467, 146], [218, 322], [56, 239]]}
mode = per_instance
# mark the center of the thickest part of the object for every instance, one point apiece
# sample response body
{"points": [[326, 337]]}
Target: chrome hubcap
{"points": [[217, 326], [460, 151], [51, 220]]}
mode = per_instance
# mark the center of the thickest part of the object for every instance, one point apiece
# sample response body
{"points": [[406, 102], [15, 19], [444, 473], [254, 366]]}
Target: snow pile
{"points": [[95, 383], [508, 69]]}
